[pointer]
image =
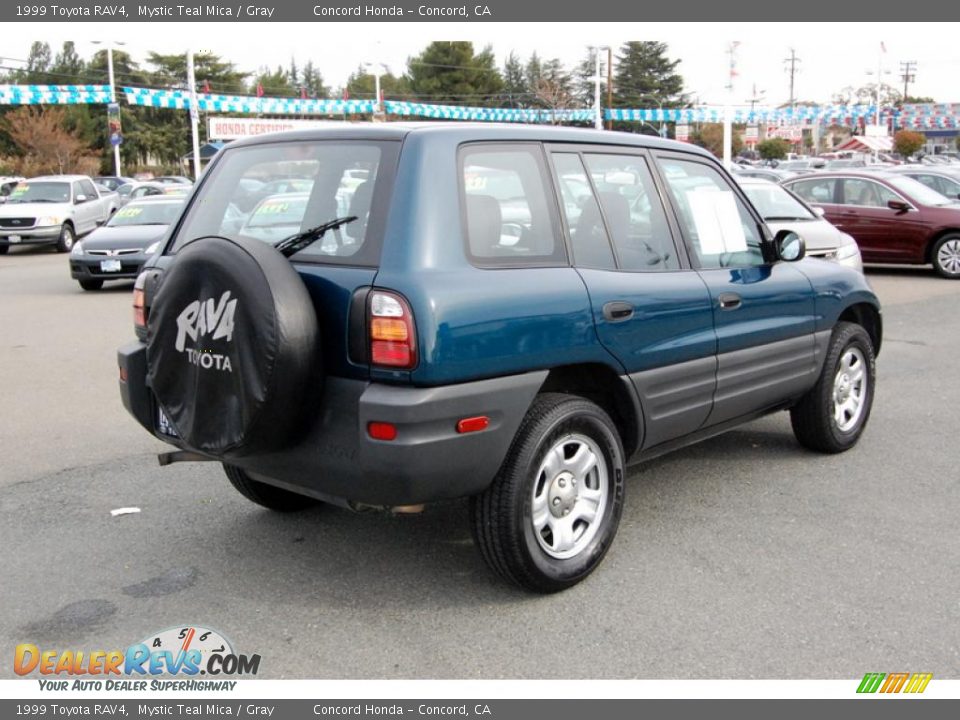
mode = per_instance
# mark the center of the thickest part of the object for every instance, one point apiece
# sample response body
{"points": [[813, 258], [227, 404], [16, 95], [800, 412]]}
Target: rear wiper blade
{"points": [[295, 243]]}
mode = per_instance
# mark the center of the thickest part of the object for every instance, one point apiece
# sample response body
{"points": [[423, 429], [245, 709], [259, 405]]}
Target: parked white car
{"points": [[53, 210]]}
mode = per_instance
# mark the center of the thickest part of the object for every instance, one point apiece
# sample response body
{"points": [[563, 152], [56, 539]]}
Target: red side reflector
{"points": [[473, 424], [123, 374], [382, 431]]}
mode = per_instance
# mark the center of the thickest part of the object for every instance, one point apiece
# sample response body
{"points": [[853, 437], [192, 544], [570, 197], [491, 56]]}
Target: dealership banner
{"points": [[228, 128], [54, 94]]}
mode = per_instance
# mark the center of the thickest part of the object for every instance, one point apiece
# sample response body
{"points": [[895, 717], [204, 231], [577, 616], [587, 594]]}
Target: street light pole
{"points": [[194, 114], [113, 97]]}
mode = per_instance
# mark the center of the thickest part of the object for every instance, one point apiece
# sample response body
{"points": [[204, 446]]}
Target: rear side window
{"points": [[271, 192], [509, 220], [814, 190], [634, 212]]}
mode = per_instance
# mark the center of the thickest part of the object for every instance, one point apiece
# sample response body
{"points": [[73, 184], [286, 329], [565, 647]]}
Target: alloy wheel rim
{"points": [[948, 256], [849, 390], [570, 495]]}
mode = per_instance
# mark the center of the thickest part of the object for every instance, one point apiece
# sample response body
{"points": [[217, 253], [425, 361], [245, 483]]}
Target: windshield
{"points": [[53, 192], [918, 191], [146, 214], [247, 194], [775, 203]]}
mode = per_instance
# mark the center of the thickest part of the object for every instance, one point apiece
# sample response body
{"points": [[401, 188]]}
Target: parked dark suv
{"points": [[509, 314]]}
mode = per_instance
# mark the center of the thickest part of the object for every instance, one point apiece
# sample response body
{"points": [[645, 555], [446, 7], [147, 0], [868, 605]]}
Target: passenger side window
{"points": [[591, 248], [634, 212], [77, 192], [720, 228], [815, 191], [507, 212], [865, 193]]}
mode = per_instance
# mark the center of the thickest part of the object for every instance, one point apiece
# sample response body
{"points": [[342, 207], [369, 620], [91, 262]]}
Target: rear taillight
{"points": [[393, 338], [139, 307]]}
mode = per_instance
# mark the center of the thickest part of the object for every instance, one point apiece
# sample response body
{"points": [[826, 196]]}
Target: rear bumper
{"points": [[429, 460]]}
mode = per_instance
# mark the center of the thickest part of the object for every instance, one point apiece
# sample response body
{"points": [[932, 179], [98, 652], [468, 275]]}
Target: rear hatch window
{"points": [[271, 191]]}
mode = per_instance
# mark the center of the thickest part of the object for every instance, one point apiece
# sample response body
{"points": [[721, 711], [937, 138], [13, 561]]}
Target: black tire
{"points": [[91, 284], [4, 249], [814, 420], [946, 256], [268, 496], [67, 238], [502, 517]]}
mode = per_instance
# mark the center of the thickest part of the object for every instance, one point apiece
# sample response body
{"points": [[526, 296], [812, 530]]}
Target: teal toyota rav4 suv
{"points": [[509, 314]]}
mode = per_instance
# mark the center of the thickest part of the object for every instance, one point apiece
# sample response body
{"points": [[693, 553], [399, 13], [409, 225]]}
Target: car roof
{"points": [[154, 199], [864, 173], [461, 132], [763, 182]]}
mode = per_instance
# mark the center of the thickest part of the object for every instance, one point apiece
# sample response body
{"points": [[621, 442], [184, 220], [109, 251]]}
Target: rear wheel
{"points": [[551, 514], [946, 256], [831, 417], [91, 284], [266, 495], [66, 239]]}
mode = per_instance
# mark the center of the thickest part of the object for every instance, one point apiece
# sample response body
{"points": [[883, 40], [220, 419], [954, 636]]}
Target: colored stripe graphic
{"points": [[918, 682], [914, 683], [870, 682]]}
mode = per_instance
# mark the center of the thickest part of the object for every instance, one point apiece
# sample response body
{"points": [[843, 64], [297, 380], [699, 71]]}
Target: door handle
{"points": [[617, 311], [730, 301]]}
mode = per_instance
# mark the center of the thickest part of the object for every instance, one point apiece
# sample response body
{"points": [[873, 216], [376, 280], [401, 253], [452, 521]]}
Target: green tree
{"points": [[450, 72], [38, 65], [363, 85], [273, 84], [516, 93], [312, 81], [645, 76], [773, 148], [908, 142]]}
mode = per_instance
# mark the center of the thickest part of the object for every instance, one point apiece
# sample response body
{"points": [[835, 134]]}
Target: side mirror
{"points": [[80, 199], [819, 210], [789, 246], [899, 205]]}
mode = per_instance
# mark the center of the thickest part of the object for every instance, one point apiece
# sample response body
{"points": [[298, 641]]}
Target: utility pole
{"points": [[908, 73], [598, 120], [792, 69]]}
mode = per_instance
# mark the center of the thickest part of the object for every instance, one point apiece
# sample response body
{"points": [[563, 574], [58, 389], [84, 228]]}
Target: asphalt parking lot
{"points": [[742, 557]]}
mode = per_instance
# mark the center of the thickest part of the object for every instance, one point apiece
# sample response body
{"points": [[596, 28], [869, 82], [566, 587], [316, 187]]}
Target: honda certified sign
{"points": [[221, 128]]}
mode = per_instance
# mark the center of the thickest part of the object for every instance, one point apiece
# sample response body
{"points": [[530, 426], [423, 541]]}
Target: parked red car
{"points": [[893, 218]]}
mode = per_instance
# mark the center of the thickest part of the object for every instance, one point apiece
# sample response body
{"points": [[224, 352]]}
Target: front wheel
{"points": [[4, 249], [551, 513], [831, 417], [946, 257], [66, 239], [266, 495]]}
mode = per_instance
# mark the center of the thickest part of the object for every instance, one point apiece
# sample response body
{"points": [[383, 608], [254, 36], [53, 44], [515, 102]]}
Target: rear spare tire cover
{"points": [[232, 347]]}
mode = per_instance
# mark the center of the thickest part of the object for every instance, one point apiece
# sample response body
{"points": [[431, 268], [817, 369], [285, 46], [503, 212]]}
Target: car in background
{"points": [[944, 180], [173, 180], [53, 210], [802, 166], [893, 218], [118, 250], [782, 210], [138, 190], [113, 182], [844, 164], [775, 175]]}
